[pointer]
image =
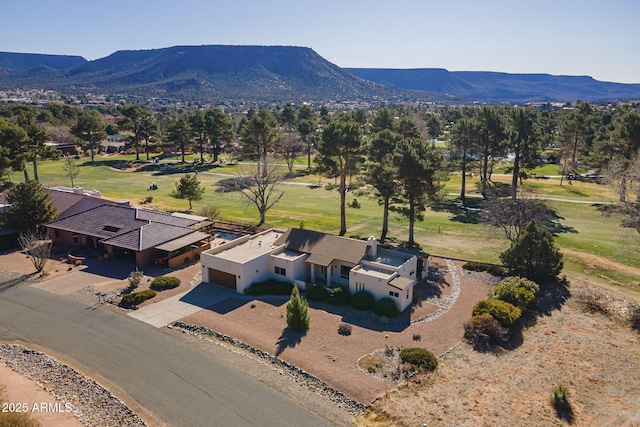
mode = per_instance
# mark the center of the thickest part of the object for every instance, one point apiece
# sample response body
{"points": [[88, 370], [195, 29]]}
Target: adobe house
{"points": [[144, 236], [304, 256]]}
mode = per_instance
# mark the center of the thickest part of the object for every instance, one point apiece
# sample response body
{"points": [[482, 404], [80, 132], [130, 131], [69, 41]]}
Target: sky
{"points": [[561, 37]]}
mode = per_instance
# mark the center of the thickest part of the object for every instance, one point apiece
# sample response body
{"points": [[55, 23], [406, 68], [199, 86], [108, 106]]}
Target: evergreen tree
{"points": [[30, 207], [298, 312], [189, 188], [534, 255], [342, 145], [90, 129]]}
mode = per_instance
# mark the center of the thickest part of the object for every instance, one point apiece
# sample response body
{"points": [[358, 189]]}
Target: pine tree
{"points": [[189, 188], [297, 312], [30, 207], [534, 255]]}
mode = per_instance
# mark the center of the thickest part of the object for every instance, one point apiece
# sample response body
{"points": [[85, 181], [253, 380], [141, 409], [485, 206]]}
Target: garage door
{"points": [[222, 278]]}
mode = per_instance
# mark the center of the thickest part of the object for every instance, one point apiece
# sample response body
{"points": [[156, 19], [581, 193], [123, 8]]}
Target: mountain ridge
{"points": [[281, 74]]}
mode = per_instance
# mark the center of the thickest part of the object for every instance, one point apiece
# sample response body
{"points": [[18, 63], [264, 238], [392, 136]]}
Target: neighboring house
{"points": [[141, 235], [67, 148], [304, 256], [70, 201], [113, 144]]}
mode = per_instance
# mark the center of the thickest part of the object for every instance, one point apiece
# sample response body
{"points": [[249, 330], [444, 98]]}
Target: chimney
{"points": [[78, 190], [372, 244]]}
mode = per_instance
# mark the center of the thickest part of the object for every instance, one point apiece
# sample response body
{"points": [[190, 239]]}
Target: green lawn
{"points": [[447, 229]]}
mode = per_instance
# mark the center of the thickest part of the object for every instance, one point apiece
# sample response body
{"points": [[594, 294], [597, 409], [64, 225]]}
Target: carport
{"points": [[183, 249]]}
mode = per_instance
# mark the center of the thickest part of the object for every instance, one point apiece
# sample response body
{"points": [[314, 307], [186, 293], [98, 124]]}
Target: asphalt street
{"points": [[181, 385]]}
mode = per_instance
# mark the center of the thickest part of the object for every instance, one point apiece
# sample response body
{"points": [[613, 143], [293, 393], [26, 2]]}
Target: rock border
{"points": [[312, 382]]}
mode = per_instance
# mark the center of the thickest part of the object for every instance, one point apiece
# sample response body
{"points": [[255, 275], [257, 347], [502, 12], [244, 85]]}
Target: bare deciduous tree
{"points": [[261, 189], [37, 246], [70, 168], [512, 216]]}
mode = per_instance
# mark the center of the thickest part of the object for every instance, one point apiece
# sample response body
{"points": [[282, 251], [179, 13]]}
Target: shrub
{"points": [[317, 292], [475, 266], [161, 283], [495, 270], [483, 332], [505, 313], [339, 296], [136, 298], [330, 186], [344, 329], [135, 277], [372, 364], [269, 287], [363, 300], [516, 290], [422, 359], [386, 307], [560, 398]]}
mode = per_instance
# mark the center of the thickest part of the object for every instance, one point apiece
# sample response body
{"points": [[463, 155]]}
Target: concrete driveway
{"points": [[178, 306]]}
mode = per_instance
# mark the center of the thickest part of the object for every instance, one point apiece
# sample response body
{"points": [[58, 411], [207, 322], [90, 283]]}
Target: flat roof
{"points": [[288, 254], [257, 245], [391, 258], [363, 269], [401, 283]]}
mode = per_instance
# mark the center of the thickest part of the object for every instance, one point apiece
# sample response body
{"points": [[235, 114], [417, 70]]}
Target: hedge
{"points": [[269, 287], [363, 300], [339, 296], [161, 283], [136, 298], [317, 292], [386, 307], [495, 270]]}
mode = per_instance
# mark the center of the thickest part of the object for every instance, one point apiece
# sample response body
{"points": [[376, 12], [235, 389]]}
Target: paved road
{"points": [[181, 385]]}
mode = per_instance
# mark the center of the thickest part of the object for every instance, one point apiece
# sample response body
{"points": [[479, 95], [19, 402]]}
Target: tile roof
{"points": [[98, 221], [126, 227], [323, 248], [147, 236], [165, 218]]}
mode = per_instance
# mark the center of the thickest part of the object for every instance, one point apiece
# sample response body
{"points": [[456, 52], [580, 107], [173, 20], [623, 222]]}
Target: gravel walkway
{"points": [[91, 403]]}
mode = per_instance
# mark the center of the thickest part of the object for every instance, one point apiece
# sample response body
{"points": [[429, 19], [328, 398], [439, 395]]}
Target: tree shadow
{"points": [[288, 339], [12, 282], [468, 212]]}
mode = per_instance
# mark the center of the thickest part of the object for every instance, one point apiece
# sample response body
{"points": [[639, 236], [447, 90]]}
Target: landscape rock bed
{"points": [[304, 378], [92, 404]]}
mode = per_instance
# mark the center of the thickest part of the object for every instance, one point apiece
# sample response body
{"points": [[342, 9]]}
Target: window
{"points": [[344, 271], [57, 233], [281, 271], [76, 239], [359, 286], [393, 294]]}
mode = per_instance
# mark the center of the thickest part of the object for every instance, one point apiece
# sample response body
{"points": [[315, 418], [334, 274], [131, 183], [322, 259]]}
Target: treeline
{"points": [[392, 150]]}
